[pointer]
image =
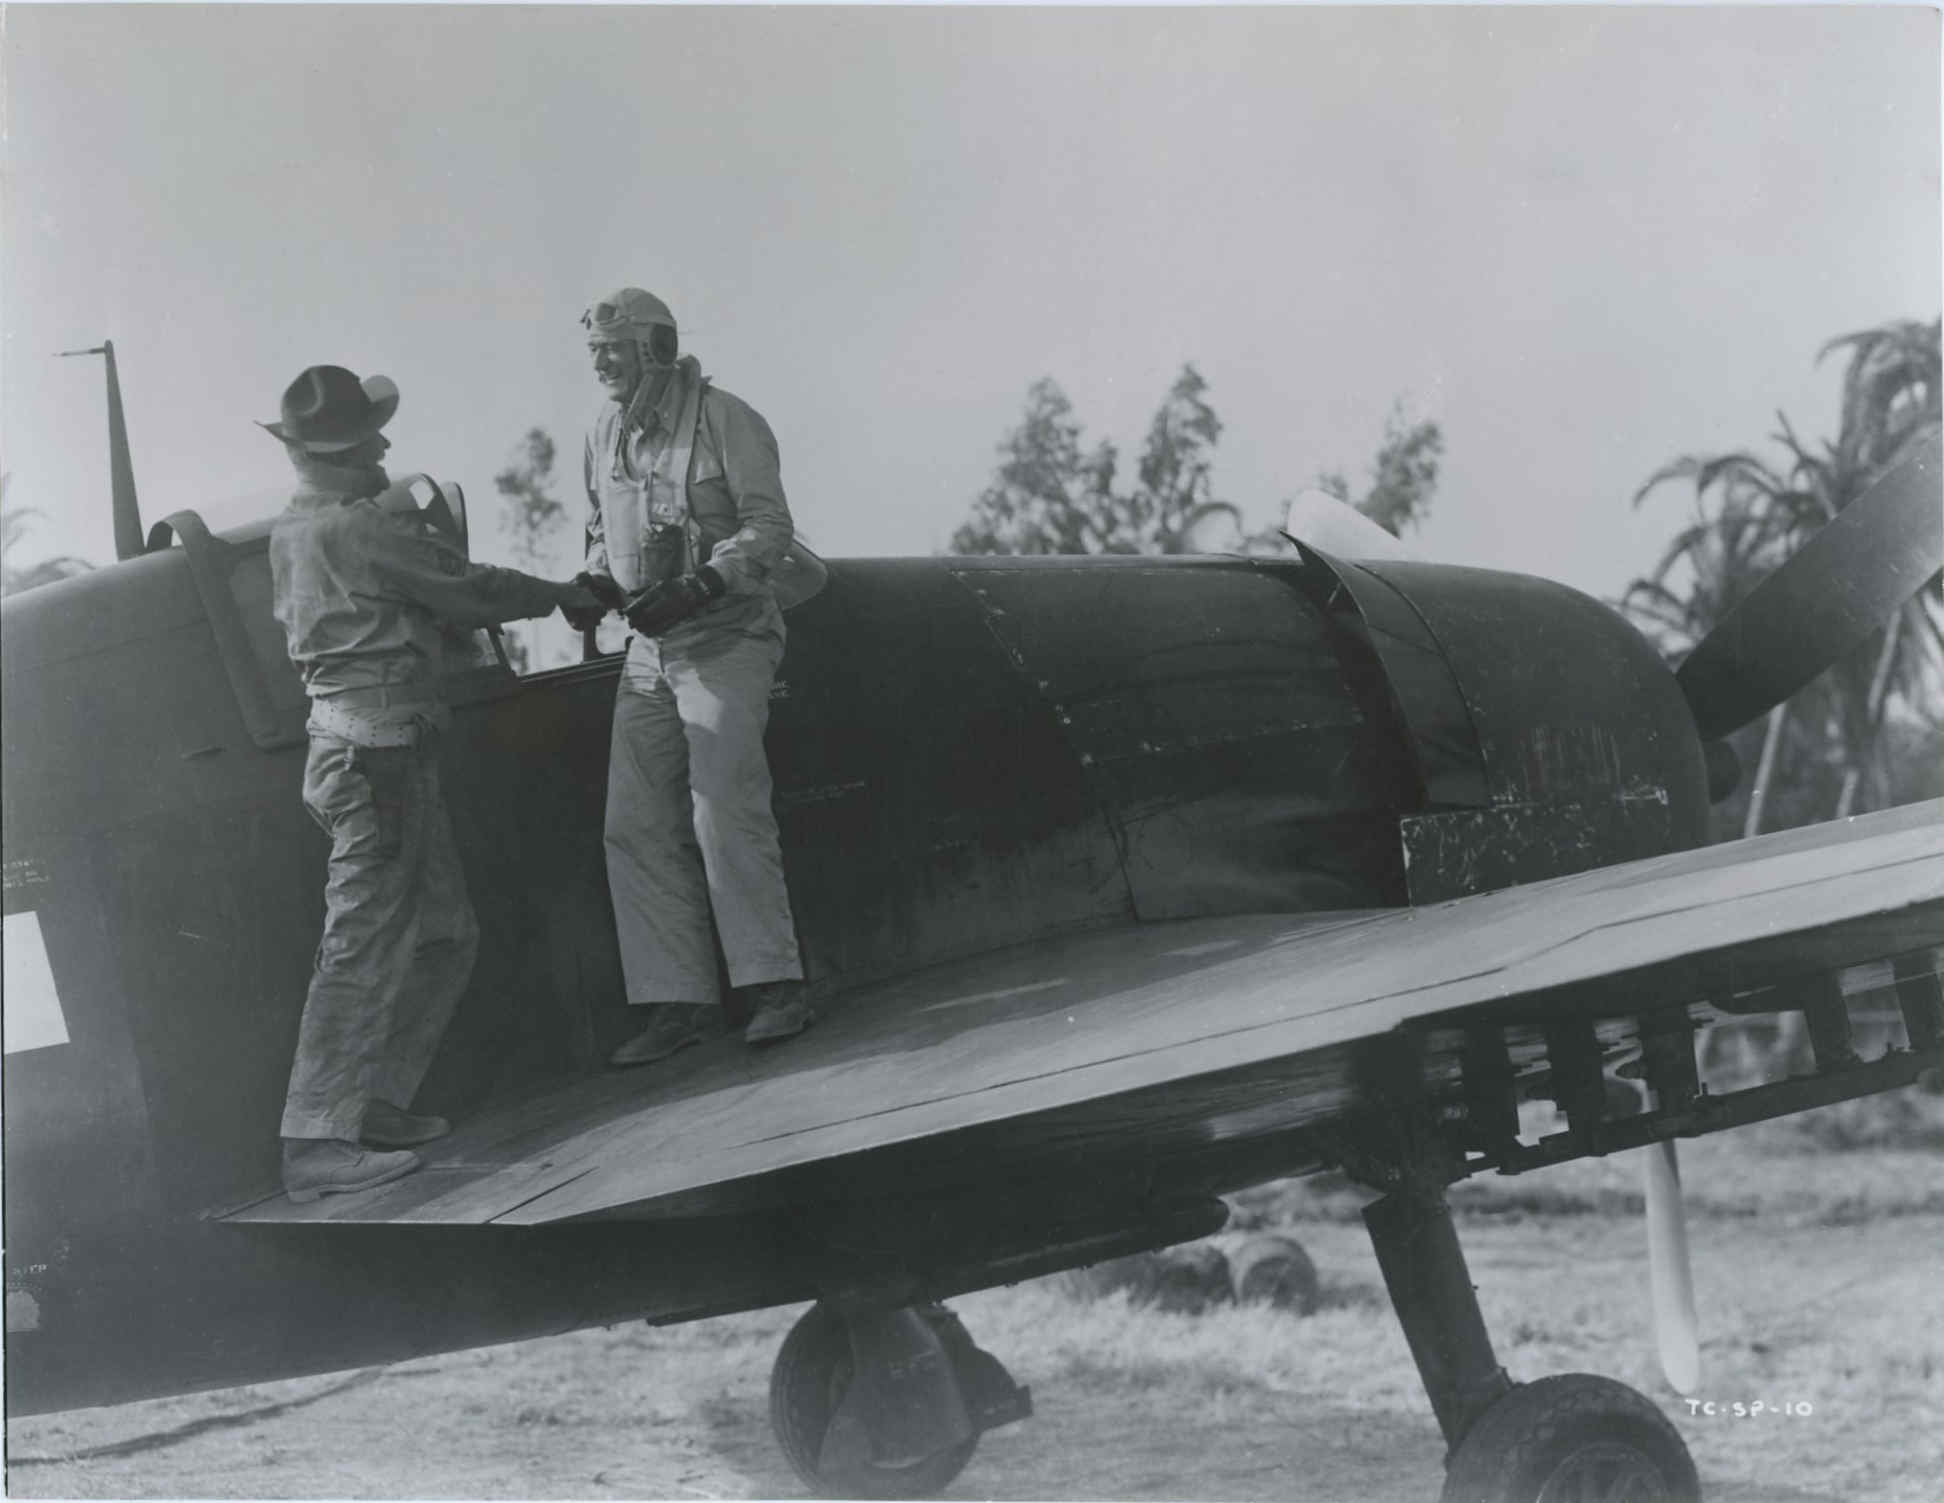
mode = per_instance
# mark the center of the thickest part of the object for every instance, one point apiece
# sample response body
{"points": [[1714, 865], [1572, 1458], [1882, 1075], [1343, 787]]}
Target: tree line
{"points": [[1053, 494]]}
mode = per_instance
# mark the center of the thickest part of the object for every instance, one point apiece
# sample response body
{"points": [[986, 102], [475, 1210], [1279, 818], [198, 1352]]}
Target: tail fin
{"points": [[121, 469]]}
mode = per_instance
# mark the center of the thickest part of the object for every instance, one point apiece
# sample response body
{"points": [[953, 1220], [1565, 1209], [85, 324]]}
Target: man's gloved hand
{"points": [[660, 606], [595, 596], [603, 588]]}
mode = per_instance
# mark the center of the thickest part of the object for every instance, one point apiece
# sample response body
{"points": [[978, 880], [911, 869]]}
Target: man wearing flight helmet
{"points": [[687, 531], [365, 591]]}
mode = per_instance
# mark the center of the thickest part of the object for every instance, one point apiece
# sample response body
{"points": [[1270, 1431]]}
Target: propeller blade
{"points": [[1844, 583], [1669, 1274]]}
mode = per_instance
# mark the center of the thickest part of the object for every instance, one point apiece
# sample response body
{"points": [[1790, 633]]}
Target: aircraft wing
{"points": [[1188, 1032]]}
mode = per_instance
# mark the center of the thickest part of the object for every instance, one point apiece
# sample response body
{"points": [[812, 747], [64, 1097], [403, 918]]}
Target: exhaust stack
{"points": [[121, 469]]}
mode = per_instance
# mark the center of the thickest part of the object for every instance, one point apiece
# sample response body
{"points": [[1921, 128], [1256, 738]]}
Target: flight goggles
{"points": [[626, 312]]}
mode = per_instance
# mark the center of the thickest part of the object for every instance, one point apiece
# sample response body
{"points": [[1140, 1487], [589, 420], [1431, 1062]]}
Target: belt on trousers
{"points": [[401, 723]]}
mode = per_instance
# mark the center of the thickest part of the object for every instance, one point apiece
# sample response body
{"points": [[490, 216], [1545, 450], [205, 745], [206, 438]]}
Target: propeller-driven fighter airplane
{"points": [[1124, 883]]}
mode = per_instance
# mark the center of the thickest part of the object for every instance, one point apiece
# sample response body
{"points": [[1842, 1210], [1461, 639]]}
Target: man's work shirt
{"points": [[725, 496], [363, 595]]}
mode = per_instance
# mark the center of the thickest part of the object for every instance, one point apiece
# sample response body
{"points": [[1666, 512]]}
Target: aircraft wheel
{"points": [[812, 1371], [1574, 1438], [1275, 1271]]}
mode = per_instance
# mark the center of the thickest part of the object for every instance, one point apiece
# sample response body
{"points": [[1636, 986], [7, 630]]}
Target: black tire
{"points": [[1275, 1271], [1577, 1437], [812, 1371]]}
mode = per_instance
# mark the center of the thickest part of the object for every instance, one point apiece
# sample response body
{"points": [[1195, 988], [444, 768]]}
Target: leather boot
{"points": [[334, 1166], [781, 1012]]}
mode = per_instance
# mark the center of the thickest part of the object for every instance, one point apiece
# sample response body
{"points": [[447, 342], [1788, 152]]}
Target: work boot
{"points": [[671, 1026], [334, 1166], [385, 1126], [781, 1012]]}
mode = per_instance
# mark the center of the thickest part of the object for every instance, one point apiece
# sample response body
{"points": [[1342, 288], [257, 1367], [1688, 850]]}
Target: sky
{"points": [[1582, 240]]}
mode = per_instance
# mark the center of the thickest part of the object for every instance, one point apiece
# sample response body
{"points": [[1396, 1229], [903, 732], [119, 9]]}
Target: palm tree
{"points": [[1826, 750], [13, 527]]}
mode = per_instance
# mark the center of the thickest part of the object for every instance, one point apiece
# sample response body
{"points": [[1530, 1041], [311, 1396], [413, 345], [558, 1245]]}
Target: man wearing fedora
{"points": [[365, 593], [689, 535]]}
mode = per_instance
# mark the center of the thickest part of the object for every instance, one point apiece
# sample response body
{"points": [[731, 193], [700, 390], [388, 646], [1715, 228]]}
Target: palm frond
{"points": [[1683, 468], [1751, 516], [1738, 470]]}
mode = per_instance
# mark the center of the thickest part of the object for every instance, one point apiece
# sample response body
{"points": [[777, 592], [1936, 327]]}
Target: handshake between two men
{"points": [[650, 611]]}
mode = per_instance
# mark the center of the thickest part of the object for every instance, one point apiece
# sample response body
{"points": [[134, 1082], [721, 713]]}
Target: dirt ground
{"points": [[1817, 1276]]}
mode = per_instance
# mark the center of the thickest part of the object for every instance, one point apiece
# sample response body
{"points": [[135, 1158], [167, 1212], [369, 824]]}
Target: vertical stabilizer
{"points": [[121, 469]]}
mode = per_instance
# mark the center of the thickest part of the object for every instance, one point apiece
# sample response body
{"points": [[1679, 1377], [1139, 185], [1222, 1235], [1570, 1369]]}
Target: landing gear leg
{"points": [[1570, 1437], [885, 1402], [1431, 1290]]}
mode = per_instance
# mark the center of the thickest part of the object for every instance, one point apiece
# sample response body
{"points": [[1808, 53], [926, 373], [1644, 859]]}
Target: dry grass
{"points": [[1816, 1273]]}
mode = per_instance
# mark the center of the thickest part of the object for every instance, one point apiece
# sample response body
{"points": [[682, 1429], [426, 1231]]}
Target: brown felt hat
{"points": [[328, 409]]}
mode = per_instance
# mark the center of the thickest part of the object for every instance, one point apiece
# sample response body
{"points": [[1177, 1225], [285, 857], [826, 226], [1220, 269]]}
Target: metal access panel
{"points": [[1214, 714]]}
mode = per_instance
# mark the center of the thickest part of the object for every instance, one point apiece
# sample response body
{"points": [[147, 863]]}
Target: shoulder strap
{"points": [[682, 448]]}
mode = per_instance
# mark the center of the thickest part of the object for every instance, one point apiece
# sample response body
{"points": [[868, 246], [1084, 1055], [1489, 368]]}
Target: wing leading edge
{"points": [[1057, 1026]]}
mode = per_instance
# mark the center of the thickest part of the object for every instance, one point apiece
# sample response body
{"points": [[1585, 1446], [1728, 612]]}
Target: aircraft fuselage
{"points": [[968, 754]]}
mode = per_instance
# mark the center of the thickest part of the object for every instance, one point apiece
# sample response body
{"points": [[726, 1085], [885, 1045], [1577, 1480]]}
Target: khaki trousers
{"points": [[399, 935], [692, 848]]}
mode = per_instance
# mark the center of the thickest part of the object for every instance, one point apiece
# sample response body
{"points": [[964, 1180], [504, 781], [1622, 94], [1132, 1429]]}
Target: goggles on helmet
{"points": [[628, 309]]}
